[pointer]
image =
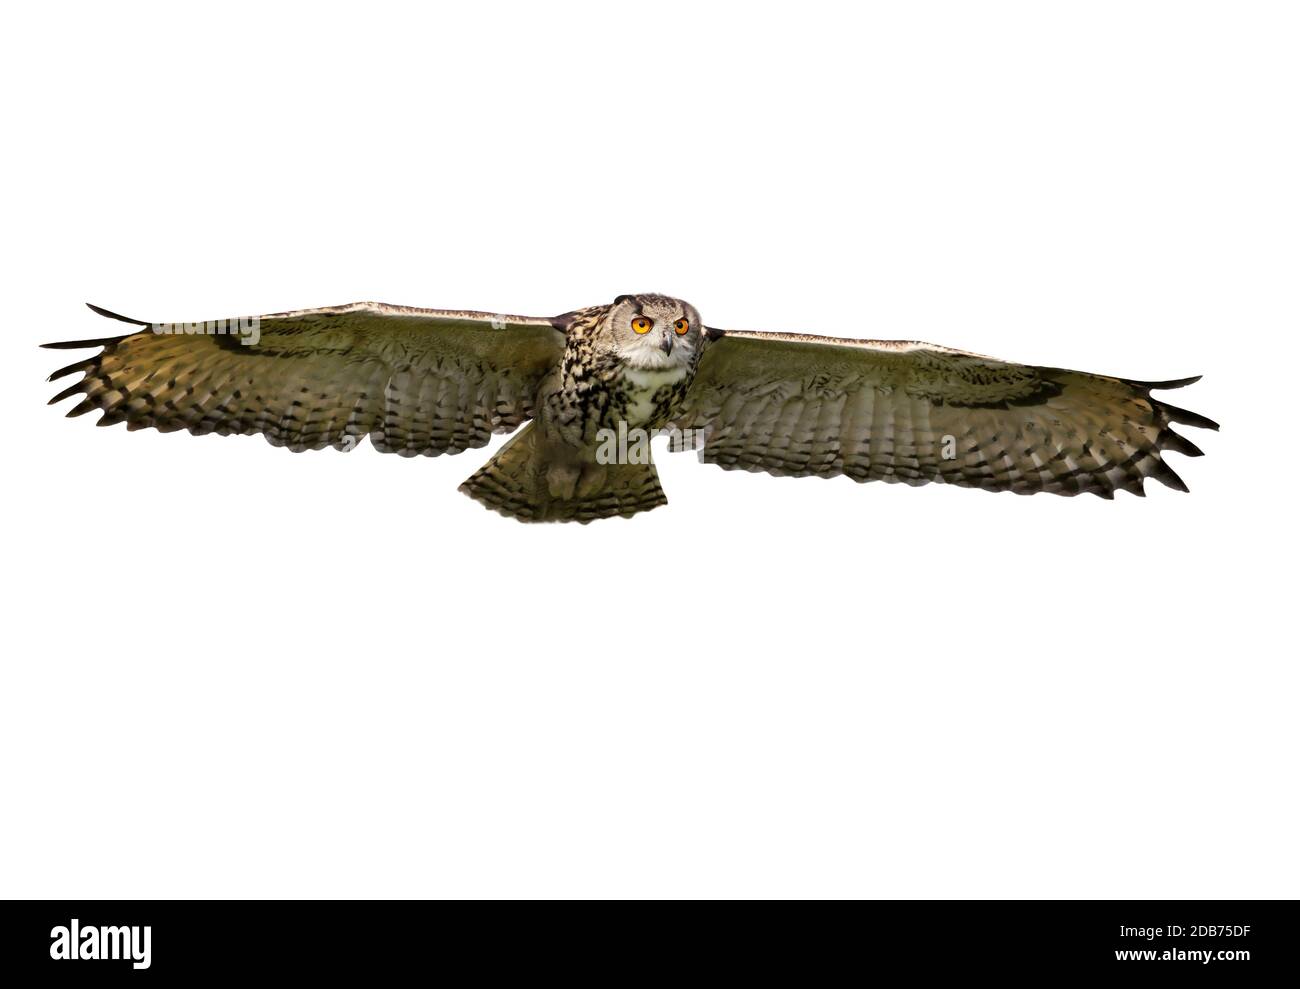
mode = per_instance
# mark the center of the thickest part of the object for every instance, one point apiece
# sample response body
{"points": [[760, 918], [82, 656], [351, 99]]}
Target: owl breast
{"points": [[649, 395]]}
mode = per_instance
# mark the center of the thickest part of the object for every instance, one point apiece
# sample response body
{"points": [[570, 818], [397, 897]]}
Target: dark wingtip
{"points": [[1171, 383], [1175, 414], [1169, 440], [73, 389], [63, 372], [80, 344], [112, 315], [1167, 476]]}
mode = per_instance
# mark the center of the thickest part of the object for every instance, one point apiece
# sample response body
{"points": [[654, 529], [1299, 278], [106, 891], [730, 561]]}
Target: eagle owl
{"points": [[433, 381]]}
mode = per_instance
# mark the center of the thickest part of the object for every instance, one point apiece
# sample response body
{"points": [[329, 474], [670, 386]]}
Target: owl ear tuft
{"points": [[624, 298]]}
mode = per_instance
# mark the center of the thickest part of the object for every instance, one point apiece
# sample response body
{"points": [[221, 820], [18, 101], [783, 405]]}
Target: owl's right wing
{"points": [[799, 405], [417, 381]]}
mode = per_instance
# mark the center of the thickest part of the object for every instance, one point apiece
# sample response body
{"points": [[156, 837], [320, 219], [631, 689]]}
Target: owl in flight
{"points": [[432, 381]]}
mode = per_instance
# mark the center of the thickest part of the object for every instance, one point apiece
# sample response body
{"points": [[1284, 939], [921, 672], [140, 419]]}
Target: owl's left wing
{"points": [[798, 405]]}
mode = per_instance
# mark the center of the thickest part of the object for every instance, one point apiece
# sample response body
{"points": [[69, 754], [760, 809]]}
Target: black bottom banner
{"points": [[161, 941]]}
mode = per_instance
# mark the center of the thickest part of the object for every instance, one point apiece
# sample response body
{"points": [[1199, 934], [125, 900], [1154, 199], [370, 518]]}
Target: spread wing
{"points": [[417, 381], [802, 405]]}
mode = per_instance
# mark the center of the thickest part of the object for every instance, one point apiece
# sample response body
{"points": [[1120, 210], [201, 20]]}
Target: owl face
{"points": [[655, 332]]}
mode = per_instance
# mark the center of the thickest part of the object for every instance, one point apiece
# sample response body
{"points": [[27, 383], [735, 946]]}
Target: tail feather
{"points": [[514, 483]]}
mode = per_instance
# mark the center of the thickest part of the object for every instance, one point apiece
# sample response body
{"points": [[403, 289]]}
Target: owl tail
{"points": [[516, 483]]}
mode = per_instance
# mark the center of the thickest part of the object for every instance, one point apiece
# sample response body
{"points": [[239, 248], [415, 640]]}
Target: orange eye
{"points": [[641, 324], [681, 326]]}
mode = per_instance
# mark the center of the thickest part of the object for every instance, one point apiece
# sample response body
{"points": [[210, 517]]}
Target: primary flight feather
{"points": [[430, 381]]}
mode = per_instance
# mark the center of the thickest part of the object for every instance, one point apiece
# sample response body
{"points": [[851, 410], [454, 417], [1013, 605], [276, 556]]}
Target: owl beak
{"points": [[666, 344]]}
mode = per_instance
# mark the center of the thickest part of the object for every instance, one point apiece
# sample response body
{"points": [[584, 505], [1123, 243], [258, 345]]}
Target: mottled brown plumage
{"points": [[422, 381]]}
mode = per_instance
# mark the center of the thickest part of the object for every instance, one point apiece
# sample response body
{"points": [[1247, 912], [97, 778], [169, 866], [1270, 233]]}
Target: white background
{"points": [[232, 671]]}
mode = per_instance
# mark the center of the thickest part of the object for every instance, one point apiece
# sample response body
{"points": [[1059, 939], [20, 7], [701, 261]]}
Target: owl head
{"points": [[654, 332]]}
